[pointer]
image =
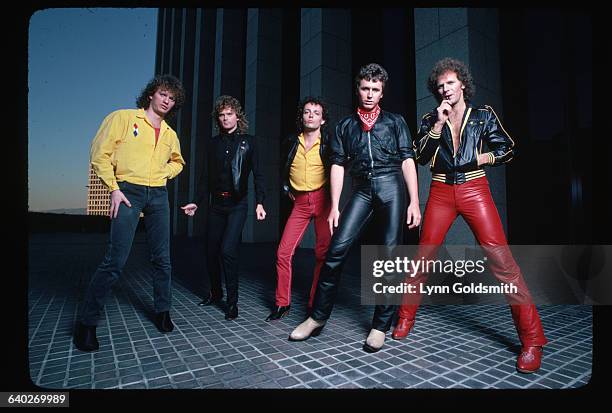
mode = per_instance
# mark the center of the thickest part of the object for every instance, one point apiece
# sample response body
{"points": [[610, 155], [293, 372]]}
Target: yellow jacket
{"points": [[124, 150]]}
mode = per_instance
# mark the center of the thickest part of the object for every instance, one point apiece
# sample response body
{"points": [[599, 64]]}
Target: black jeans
{"points": [[383, 197], [153, 203], [226, 219]]}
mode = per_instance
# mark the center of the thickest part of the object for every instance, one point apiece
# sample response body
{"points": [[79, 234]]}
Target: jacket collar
{"points": [[231, 135], [294, 137], [468, 110], [142, 115], [301, 135]]}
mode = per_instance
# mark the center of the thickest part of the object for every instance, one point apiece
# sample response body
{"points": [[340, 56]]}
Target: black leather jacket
{"points": [[246, 158], [479, 125], [378, 152], [290, 149]]}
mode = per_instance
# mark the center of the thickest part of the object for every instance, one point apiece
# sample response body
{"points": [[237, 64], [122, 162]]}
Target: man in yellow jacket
{"points": [[134, 153]]}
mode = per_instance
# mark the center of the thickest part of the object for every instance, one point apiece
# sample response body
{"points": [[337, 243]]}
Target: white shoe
{"points": [[375, 341], [309, 328]]}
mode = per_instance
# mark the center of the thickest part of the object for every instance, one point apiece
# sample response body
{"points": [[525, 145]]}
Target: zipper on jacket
{"points": [[370, 151], [433, 161]]}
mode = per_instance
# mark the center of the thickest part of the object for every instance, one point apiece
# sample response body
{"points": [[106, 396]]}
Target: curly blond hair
{"points": [[224, 102]]}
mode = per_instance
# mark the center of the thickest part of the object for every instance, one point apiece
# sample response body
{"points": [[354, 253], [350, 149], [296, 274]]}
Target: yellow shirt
{"points": [[307, 172], [124, 150]]}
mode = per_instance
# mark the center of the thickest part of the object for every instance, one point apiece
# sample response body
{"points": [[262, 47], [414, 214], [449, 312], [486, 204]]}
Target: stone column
{"points": [[262, 104], [326, 70]]}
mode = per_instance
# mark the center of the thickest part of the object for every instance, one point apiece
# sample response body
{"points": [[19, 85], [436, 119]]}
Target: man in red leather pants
{"points": [[452, 137]]}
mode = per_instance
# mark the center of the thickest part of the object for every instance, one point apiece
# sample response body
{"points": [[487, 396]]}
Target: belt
{"points": [[224, 194], [370, 176], [322, 187], [458, 177]]}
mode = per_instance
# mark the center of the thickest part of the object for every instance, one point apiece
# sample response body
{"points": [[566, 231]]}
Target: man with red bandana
{"points": [[452, 137], [376, 147]]}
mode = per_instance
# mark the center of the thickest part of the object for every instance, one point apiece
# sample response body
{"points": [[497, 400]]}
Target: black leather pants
{"points": [[384, 198]]}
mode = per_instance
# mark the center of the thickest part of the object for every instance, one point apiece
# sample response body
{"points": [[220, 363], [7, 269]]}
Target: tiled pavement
{"points": [[450, 346]]}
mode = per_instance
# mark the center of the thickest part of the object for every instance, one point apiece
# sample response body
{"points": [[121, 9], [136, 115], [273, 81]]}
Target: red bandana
{"points": [[368, 119]]}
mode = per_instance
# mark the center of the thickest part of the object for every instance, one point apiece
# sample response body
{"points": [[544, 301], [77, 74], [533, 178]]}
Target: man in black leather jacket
{"points": [[451, 137], [231, 156], [376, 147], [305, 178]]}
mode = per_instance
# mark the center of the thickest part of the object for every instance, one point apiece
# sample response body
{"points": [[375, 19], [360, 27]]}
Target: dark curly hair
{"points": [[451, 65], [164, 82], [299, 117], [226, 101], [371, 72]]}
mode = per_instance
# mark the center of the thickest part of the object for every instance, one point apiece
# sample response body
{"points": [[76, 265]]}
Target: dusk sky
{"points": [[82, 65]]}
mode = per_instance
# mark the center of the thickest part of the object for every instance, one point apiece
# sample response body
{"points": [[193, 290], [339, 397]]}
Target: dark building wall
{"points": [[290, 79], [213, 46], [202, 97], [547, 79], [263, 104], [318, 51], [184, 123], [325, 70], [322, 48], [230, 47]]}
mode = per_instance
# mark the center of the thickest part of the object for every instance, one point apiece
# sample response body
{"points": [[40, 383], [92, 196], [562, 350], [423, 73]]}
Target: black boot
{"points": [[278, 312], [85, 338], [163, 322], [211, 299], [232, 312]]}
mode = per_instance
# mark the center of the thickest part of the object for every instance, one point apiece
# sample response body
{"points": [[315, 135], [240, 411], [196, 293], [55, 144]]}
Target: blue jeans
{"points": [[153, 203]]}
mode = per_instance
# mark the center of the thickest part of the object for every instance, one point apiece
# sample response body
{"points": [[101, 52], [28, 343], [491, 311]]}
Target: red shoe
{"points": [[529, 360], [402, 328]]}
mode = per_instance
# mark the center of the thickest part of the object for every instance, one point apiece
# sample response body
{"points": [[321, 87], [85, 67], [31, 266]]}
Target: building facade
{"points": [[270, 58], [98, 197]]}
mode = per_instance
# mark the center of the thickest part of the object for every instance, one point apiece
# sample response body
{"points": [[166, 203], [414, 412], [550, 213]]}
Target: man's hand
{"points": [[190, 209], [483, 159], [117, 198], [332, 220], [413, 216], [261, 212], [444, 111]]}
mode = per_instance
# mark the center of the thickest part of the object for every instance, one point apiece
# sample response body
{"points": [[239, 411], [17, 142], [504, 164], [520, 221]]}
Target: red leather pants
{"points": [[307, 205], [472, 200]]}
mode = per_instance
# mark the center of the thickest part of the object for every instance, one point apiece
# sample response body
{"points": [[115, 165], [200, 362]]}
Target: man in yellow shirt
{"points": [[134, 153], [305, 181]]}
